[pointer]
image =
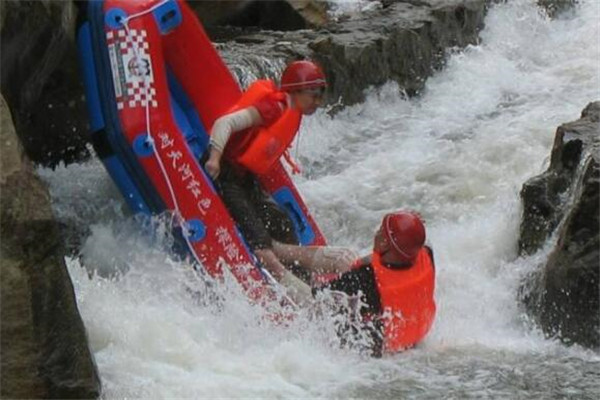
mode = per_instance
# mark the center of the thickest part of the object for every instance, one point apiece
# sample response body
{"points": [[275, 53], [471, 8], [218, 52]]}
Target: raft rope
{"points": [[150, 139], [291, 162], [151, 142], [143, 12]]}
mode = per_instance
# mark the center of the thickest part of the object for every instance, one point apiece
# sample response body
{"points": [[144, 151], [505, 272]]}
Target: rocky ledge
{"points": [[562, 205], [403, 41]]}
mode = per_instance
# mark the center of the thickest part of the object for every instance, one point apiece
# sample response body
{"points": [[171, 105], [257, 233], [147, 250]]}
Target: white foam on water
{"points": [[349, 8], [458, 155]]}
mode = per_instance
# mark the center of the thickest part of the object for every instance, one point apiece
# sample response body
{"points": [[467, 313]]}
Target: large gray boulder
{"points": [[43, 341], [563, 204]]}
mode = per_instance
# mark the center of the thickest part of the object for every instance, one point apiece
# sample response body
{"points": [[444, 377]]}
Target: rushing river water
{"points": [[458, 154]]}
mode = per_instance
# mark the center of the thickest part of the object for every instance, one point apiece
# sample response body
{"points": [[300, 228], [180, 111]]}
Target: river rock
{"points": [[314, 12], [283, 15], [44, 346], [555, 7], [563, 204]]}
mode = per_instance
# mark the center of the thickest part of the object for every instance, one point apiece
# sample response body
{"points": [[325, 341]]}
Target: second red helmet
{"points": [[405, 233], [300, 75]]}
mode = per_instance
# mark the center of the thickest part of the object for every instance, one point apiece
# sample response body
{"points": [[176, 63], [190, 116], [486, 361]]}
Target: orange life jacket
{"points": [[258, 149], [407, 303]]}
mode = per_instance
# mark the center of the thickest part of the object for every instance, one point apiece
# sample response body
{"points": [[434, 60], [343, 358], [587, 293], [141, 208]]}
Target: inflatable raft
{"points": [[154, 87]]}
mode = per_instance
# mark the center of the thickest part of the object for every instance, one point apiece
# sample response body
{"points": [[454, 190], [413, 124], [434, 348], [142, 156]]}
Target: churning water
{"points": [[458, 154]]}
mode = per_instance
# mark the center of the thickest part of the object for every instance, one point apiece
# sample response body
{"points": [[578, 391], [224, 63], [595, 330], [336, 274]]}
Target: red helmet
{"points": [[300, 75], [405, 233]]}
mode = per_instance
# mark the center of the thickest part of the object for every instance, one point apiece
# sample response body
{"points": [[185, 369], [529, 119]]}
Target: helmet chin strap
{"points": [[392, 265], [315, 83]]}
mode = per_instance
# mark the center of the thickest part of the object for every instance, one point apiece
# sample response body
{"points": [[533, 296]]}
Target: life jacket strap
{"points": [[296, 169]]}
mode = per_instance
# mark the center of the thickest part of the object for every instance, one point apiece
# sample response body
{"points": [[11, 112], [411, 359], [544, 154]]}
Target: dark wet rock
{"points": [[214, 13], [285, 15], [563, 204], [555, 7], [44, 347], [40, 79], [545, 196], [314, 12]]}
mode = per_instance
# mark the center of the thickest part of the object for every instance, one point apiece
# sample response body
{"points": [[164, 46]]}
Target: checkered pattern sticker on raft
{"points": [[129, 71]]}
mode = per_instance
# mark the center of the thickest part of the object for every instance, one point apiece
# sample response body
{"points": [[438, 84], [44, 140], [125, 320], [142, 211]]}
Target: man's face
{"points": [[380, 245], [307, 101]]}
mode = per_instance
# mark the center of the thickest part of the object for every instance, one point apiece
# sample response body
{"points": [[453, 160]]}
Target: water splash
{"points": [[248, 65]]}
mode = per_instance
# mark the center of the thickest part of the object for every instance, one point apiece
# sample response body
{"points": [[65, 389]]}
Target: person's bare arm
{"points": [[221, 132], [319, 259]]}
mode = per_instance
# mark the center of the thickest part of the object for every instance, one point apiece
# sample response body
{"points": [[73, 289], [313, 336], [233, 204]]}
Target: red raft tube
{"points": [[154, 87]]}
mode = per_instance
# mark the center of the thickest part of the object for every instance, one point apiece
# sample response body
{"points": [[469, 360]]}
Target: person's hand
{"points": [[298, 291], [334, 259], [213, 167]]}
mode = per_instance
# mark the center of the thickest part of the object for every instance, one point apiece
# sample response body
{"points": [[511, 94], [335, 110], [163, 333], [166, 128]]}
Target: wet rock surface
{"points": [[263, 14], [286, 15], [555, 7], [44, 347], [564, 295]]}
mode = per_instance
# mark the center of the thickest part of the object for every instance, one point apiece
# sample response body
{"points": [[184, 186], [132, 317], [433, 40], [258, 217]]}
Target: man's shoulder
{"points": [[270, 109]]}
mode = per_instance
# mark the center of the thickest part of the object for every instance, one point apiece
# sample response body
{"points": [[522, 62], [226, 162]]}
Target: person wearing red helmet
{"points": [[265, 106], [395, 284], [248, 141], [306, 83]]}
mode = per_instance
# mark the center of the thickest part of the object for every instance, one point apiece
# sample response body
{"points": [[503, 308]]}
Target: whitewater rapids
{"points": [[458, 154]]}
